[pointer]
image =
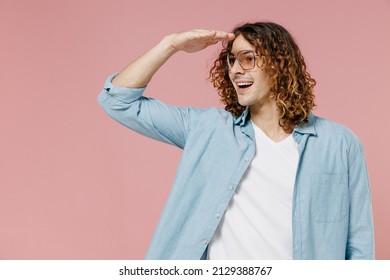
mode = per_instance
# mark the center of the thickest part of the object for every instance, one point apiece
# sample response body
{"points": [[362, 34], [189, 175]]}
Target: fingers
{"points": [[196, 40], [221, 35], [215, 35]]}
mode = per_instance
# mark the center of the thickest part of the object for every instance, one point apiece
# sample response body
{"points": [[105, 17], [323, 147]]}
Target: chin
{"points": [[244, 102]]}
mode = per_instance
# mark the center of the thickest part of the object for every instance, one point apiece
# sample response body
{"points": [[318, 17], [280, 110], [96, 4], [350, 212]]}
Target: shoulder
{"points": [[213, 113], [335, 132], [208, 118], [323, 125]]}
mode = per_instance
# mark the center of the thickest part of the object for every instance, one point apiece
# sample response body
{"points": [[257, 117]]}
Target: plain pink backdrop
{"points": [[74, 184]]}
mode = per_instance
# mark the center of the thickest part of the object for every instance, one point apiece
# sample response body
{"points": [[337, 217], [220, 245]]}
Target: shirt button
{"points": [[204, 242], [246, 159], [218, 215], [231, 187]]}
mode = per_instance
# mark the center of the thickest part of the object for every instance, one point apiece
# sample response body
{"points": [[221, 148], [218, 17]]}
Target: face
{"points": [[252, 85]]}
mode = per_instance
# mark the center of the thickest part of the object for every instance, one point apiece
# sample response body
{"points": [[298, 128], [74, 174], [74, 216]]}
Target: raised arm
{"points": [[139, 73], [122, 96]]}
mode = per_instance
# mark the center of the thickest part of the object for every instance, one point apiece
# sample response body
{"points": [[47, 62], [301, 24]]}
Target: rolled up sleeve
{"points": [[148, 116]]}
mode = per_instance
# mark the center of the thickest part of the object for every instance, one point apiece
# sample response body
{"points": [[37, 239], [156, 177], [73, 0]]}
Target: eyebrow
{"points": [[243, 51]]}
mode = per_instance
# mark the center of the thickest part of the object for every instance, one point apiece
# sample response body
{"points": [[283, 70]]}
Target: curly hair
{"points": [[291, 86]]}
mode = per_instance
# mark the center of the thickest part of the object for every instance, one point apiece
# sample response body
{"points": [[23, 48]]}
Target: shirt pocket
{"points": [[329, 197]]}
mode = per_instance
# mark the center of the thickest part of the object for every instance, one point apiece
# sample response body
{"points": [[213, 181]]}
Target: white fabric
{"points": [[258, 222]]}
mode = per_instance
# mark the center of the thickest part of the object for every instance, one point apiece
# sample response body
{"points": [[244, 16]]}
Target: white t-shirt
{"points": [[258, 221]]}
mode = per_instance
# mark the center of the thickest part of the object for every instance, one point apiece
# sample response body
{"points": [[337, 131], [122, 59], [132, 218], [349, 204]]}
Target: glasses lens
{"points": [[247, 60], [230, 60]]}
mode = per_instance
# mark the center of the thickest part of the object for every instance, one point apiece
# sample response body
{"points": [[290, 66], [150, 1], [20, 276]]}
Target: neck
{"points": [[266, 117]]}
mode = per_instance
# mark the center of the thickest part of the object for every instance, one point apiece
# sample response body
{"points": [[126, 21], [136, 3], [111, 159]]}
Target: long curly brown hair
{"points": [[291, 86]]}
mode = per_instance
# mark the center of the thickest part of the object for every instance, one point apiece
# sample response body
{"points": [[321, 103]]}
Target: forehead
{"points": [[240, 44]]}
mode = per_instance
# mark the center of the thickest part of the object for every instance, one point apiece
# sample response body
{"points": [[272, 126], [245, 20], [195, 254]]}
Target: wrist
{"points": [[166, 44]]}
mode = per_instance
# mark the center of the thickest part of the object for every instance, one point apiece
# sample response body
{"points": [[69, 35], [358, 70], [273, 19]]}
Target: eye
{"points": [[231, 59], [247, 57]]}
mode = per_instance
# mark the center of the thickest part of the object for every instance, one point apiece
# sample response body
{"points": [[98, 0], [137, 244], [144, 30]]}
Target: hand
{"points": [[198, 39]]}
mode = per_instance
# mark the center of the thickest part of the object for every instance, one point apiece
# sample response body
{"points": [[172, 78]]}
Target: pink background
{"points": [[74, 184]]}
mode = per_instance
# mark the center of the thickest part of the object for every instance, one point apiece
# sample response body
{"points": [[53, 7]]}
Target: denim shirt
{"points": [[331, 215]]}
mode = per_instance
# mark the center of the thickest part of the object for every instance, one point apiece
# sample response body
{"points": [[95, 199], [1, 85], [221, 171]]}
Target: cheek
{"points": [[231, 78]]}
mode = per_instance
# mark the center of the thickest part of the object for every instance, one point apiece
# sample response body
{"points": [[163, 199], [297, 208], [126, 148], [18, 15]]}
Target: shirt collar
{"points": [[307, 128], [303, 128], [240, 120]]}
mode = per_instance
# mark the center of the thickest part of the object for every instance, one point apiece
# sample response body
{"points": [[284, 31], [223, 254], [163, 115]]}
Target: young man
{"points": [[263, 178]]}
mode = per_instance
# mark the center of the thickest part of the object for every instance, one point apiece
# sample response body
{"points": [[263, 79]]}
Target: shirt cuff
{"points": [[124, 94]]}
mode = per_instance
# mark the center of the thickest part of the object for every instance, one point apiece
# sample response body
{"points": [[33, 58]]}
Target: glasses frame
{"points": [[239, 62]]}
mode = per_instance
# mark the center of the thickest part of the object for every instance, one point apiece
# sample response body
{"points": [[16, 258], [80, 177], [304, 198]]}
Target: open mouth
{"points": [[243, 85]]}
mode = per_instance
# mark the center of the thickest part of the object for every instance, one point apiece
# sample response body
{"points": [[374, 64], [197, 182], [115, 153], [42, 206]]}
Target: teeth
{"points": [[243, 84]]}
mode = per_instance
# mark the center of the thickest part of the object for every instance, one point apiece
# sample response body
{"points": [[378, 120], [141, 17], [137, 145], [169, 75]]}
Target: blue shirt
{"points": [[331, 215]]}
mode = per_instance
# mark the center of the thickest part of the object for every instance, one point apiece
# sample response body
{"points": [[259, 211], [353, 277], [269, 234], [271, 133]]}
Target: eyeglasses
{"points": [[246, 59]]}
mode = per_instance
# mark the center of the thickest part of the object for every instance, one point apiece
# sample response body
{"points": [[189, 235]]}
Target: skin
{"points": [[263, 110], [139, 72]]}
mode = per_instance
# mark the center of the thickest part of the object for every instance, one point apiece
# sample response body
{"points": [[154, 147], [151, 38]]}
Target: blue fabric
{"points": [[331, 215]]}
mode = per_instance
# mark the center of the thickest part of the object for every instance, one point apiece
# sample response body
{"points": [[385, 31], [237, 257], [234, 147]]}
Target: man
{"points": [[261, 179]]}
